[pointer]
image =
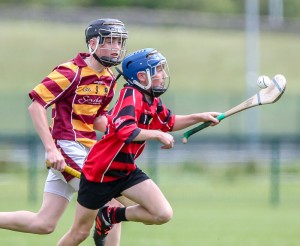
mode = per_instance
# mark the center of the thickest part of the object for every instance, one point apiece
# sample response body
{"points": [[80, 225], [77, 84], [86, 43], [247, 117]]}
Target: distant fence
{"points": [[274, 150]]}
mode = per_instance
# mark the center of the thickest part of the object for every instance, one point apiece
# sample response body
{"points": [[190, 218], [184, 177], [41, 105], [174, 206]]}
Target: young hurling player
{"points": [[79, 92], [110, 168]]}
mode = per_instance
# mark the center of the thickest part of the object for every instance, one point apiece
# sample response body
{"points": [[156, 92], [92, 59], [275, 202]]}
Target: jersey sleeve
{"points": [[164, 119], [54, 85], [124, 118]]}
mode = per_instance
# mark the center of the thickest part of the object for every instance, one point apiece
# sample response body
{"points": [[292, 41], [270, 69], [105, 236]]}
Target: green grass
{"points": [[209, 209], [207, 69]]}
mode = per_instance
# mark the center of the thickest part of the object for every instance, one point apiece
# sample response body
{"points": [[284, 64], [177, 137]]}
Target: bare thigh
{"points": [[148, 195], [52, 208]]}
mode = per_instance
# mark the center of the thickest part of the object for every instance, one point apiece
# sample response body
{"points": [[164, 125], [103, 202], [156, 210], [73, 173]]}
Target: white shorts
{"points": [[55, 182]]}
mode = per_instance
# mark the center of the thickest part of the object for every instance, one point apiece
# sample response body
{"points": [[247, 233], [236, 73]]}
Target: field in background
{"points": [[207, 69], [228, 207]]}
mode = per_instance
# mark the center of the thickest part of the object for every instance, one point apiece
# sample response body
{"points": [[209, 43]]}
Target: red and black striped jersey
{"points": [[114, 155], [77, 94]]}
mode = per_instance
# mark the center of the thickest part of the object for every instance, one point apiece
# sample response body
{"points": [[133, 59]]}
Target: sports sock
{"points": [[114, 215]]}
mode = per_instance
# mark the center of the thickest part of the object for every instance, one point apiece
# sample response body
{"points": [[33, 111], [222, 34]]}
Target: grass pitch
{"points": [[209, 209], [207, 73]]}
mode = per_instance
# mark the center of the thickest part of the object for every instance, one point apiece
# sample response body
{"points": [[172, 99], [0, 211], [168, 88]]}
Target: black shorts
{"points": [[94, 195]]}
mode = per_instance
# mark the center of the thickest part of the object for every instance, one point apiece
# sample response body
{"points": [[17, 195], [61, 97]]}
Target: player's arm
{"points": [[128, 131], [184, 121], [39, 117], [165, 138], [100, 123]]}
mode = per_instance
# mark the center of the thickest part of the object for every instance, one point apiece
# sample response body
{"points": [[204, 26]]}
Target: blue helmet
{"points": [[145, 60]]}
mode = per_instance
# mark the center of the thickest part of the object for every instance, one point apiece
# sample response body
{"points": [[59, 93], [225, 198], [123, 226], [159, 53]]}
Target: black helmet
{"points": [[103, 28]]}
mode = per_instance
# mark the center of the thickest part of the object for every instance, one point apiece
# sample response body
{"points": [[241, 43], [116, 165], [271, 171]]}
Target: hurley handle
{"points": [[200, 127]]}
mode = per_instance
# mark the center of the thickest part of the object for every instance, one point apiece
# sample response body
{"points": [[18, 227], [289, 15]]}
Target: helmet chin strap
{"points": [[99, 60], [155, 92], [145, 88], [92, 52]]}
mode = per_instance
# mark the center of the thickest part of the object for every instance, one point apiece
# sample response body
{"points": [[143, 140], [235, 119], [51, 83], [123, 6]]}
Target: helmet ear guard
{"points": [[146, 60], [102, 29]]}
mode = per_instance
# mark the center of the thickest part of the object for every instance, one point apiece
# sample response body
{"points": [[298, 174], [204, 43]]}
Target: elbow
{"points": [[100, 123], [99, 128]]}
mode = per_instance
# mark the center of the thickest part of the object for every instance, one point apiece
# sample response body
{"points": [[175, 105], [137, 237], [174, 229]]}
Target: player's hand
{"points": [[209, 116], [55, 160], [166, 139]]}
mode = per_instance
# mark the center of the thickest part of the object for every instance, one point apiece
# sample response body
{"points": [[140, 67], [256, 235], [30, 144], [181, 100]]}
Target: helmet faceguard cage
{"points": [[103, 29], [149, 61]]}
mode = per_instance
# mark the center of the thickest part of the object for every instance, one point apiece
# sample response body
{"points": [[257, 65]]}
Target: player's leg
{"points": [[151, 205], [91, 197], [125, 201], [80, 230], [108, 235], [75, 153], [114, 235], [57, 194], [42, 222]]}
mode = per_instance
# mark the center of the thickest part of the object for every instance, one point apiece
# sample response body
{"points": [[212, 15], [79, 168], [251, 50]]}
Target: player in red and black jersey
{"points": [[79, 92], [110, 168]]}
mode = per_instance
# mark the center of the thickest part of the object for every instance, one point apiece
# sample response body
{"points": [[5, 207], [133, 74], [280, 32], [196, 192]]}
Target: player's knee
{"points": [[46, 228], [81, 235], [164, 216]]}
